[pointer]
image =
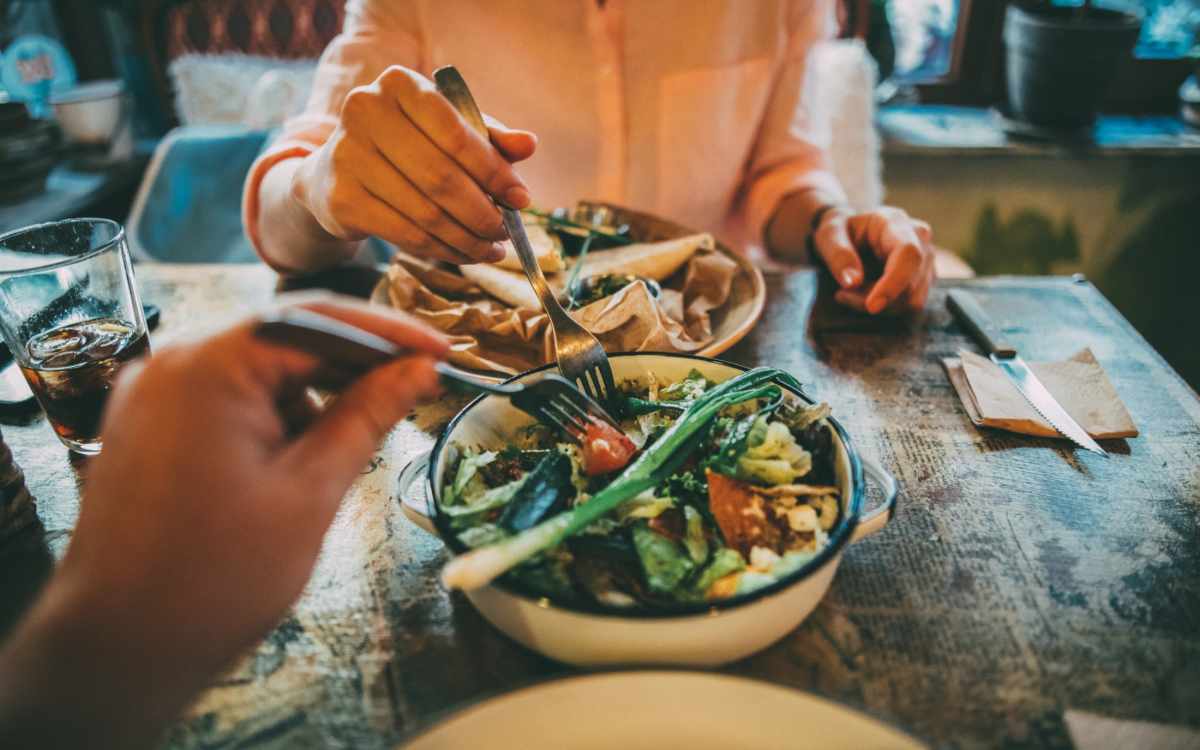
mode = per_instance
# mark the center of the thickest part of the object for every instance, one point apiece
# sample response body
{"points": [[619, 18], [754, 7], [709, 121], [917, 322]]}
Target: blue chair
{"points": [[189, 206]]}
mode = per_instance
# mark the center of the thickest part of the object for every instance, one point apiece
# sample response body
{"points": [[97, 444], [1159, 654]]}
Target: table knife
{"points": [[968, 310]]}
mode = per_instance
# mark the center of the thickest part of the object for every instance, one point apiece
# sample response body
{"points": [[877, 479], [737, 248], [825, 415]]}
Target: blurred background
{"points": [[150, 111]]}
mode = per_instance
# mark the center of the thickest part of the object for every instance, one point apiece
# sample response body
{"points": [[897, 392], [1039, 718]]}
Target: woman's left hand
{"points": [[903, 245]]}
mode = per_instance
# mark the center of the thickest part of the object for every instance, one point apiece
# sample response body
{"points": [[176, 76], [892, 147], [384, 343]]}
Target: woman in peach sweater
{"points": [[694, 111]]}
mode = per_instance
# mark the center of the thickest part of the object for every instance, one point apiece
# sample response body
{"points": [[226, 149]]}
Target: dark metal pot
{"points": [[1060, 61]]}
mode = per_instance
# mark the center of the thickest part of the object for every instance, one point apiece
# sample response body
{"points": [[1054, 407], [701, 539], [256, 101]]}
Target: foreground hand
{"points": [[902, 244], [404, 166], [200, 524]]}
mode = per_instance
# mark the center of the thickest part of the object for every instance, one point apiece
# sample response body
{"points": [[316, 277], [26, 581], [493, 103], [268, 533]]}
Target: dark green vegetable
{"points": [[572, 233], [546, 487], [510, 464], [598, 287], [665, 562], [732, 446], [573, 292], [724, 562], [632, 406], [545, 577], [691, 488], [818, 440], [614, 547]]}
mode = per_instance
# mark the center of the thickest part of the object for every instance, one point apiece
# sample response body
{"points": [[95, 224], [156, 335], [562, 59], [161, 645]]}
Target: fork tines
{"points": [[597, 382], [567, 416], [556, 401]]}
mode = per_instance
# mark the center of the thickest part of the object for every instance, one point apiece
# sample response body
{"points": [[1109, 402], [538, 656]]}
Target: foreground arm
{"points": [[200, 525]]}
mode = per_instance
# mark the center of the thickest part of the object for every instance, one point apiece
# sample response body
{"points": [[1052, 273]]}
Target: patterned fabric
{"points": [[293, 29]]}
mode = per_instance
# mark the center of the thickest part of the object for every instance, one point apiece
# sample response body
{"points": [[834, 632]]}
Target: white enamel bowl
{"points": [[657, 711], [698, 635]]}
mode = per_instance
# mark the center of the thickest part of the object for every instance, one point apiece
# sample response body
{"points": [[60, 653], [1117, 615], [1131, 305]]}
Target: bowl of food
{"points": [[635, 281], [705, 532]]}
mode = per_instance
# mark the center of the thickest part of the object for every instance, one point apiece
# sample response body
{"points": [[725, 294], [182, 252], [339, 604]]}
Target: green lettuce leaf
{"points": [[465, 478], [772, 456], [726, 560], [664, 563], [688, 389]]}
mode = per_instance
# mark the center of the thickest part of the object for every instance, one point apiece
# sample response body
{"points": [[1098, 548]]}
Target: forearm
{"points": [[71, 677], [289, 235], [787, 231]]}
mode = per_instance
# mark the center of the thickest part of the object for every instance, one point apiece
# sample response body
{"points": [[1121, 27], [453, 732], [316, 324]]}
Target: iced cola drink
{"points": [[71, 316], [72, 368]]}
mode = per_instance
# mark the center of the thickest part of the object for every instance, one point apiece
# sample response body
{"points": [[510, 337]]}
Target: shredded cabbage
{"points": [[772, 455], [484, 533], [467, 482], [694, 540], [488, 500], [646, 505]]}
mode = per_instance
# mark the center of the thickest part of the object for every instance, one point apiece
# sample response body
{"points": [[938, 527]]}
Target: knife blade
{"points": [[967, 309]]}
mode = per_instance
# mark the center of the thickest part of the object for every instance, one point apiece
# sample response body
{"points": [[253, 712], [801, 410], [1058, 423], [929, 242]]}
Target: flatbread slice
{"points": [[545, 249], [508, 287], [654, 260]]}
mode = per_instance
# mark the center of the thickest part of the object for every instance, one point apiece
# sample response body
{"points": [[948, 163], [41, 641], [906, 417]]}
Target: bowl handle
{"points": [[414, 498], [878, 517]]}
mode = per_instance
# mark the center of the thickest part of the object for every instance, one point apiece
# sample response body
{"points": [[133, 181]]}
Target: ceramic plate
{"points": [[730, 323], [658, 711]]}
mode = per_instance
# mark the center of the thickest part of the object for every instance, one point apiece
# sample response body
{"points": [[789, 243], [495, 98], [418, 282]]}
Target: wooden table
{"points": [[1020, 579]]}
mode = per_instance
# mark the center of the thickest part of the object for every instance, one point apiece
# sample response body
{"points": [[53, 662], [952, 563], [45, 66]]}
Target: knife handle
{"points": [[968, 310]]}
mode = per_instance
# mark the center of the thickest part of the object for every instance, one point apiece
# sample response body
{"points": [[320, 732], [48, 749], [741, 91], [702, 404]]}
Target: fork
{"points": [[581, 357], [350, 351]]}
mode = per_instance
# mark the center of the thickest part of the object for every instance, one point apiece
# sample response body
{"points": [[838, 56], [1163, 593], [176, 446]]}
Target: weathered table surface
{"points": [[1020, 578]]}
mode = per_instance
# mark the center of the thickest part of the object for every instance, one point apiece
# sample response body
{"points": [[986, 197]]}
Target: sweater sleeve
{"points": [[790, 153], [377, 35]]}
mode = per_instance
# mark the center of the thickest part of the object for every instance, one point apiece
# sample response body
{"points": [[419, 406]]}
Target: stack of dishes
{"points": [[28, 151]]}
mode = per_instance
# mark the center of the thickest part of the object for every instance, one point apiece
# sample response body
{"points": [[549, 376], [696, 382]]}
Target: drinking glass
{"points": [[70, 313]]}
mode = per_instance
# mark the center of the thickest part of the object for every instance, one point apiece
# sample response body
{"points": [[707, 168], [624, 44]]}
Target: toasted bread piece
{"points": [[508, 287], [654, 260], [545, 248]]}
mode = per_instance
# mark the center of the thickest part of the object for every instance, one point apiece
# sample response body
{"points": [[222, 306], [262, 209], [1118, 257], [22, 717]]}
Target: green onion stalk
{"points": [[591, 230], [573, 279], [482, 565]]}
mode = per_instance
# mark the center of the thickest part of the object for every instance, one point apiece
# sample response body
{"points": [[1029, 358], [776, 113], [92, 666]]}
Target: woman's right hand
{"points": [[402, 165]]}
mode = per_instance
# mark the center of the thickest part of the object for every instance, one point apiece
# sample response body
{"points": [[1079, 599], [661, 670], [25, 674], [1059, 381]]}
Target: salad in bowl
{"points": [[703, 527], [742, 501]]}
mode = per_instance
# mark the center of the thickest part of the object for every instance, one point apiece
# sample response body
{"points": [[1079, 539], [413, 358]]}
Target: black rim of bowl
{"points": [[837, 539]]}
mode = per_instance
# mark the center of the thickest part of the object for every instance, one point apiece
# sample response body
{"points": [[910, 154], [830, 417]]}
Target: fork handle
{"points": [[451, 85], [550, 303], [352, 350]]}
